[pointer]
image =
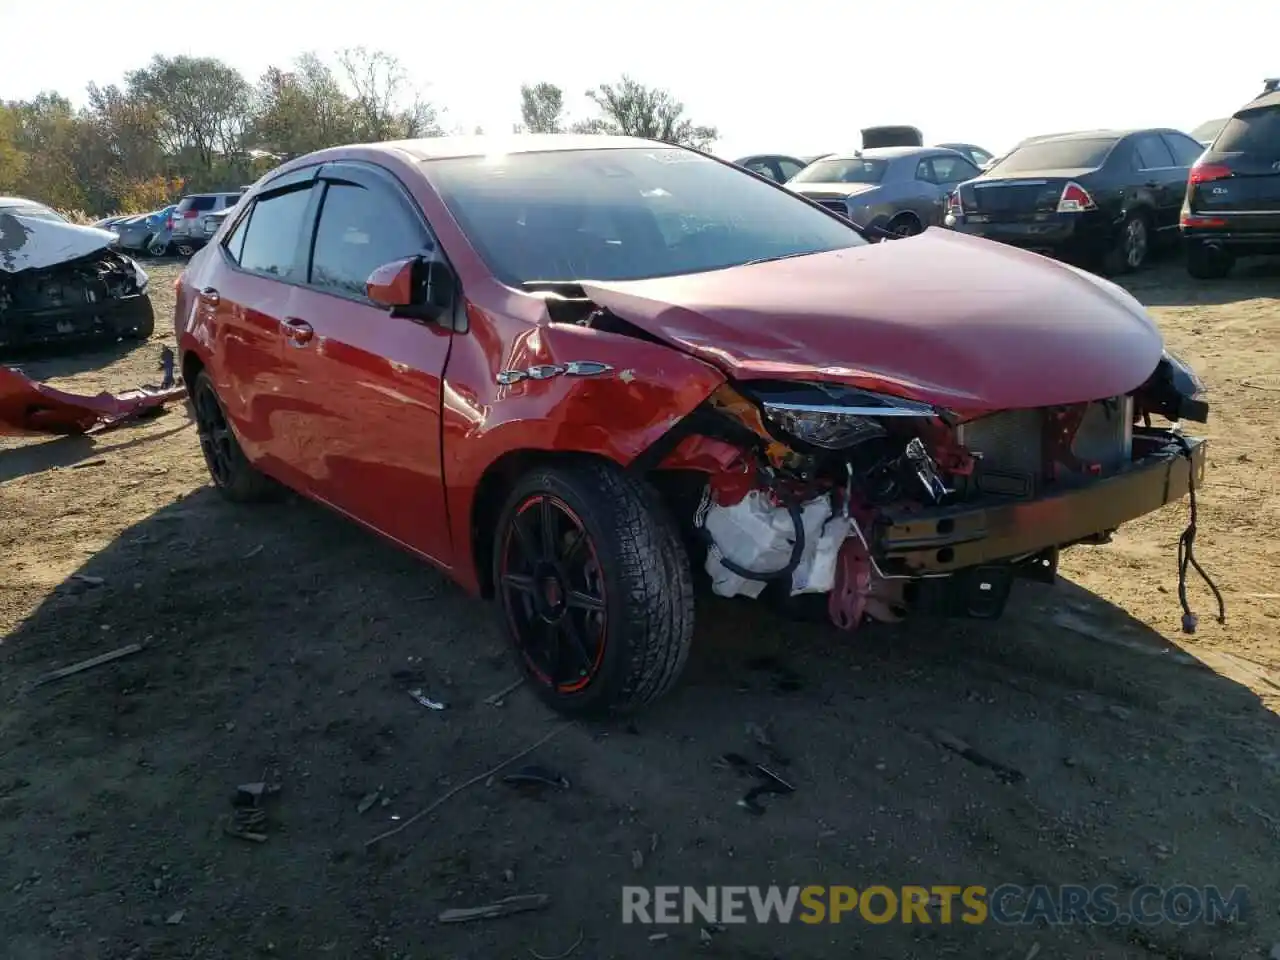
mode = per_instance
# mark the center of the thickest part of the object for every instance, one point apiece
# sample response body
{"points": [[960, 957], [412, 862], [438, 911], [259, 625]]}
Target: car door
{"points": [[374, 381], [1161, 175], [249, 291]]}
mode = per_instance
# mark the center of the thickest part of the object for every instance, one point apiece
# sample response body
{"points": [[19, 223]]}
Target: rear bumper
{"points": [[1067, 236], [1243, 240], [949, 539]]}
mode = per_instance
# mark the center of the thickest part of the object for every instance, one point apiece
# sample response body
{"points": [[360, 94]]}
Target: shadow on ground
{"points": [[80, 451], [281, 643], [48, 362], [1167, 284]]}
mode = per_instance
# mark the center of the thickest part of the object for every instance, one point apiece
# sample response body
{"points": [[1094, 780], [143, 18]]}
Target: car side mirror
{"points": [[415, 288]]}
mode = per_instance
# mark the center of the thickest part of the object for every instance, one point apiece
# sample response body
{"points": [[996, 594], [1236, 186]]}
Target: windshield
{"points": [[625, 214], [1056, 155], [35, 211], [851, 170]]}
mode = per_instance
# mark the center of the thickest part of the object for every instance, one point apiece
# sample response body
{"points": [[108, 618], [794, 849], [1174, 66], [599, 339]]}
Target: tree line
{"points": [[183, 124]]}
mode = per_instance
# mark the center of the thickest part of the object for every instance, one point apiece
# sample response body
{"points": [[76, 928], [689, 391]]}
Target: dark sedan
{"points": [[1102, 198]]}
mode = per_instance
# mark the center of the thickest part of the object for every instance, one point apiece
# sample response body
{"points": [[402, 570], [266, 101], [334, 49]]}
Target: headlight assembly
{"points": [[831, 416]]}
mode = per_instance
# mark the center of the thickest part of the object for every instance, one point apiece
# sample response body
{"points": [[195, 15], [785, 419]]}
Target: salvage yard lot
{"points": [[281, 643]]}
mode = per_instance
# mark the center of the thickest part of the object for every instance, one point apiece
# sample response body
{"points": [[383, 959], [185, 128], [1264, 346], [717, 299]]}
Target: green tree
{"points": [[629, 107], [542, 107], [302, 109], [203, 105]]}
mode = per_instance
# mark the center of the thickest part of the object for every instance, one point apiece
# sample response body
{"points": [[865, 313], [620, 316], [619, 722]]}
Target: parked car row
{"points": [[1105, 199]]}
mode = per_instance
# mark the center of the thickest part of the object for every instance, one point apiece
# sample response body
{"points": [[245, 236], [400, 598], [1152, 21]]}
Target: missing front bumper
{"points": [[948, 539]]}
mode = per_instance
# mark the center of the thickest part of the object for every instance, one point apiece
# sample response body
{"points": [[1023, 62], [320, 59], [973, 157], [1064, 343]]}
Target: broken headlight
{"points": [[831, 416], [1175, 391]]}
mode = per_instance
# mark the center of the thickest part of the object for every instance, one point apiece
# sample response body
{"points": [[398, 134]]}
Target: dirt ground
{"points": [[281, 643]]}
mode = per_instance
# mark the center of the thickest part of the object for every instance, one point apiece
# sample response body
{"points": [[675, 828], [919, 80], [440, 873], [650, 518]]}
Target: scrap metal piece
{"points": [[30, 407]]}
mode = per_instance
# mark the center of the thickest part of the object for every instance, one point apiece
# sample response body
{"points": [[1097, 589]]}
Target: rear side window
{"points": [[1150, 152], [1185, 150], [201, 203], [270, 243], [1251, 131], [1057, 155], [789, 169], [360, 230]]}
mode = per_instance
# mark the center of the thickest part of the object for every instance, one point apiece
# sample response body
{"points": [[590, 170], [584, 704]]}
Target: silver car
{"points": [[902, 190]]}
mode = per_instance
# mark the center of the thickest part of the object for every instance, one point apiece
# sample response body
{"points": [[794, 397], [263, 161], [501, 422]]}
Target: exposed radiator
{"points": [[1013, 440]]}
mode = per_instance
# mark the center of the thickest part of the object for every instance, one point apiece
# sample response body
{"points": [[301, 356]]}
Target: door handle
{"points": [[210, 296], [298, 332]]}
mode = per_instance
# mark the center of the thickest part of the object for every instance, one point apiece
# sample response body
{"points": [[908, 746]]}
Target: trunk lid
{"points": [[1243, 165], [939, 317], [891, 136], [1025, 197]]}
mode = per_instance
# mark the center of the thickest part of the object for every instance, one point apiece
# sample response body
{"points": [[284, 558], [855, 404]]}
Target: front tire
{"points": [[1206, 263], [905, 225], [594, 587], [232, 473]]}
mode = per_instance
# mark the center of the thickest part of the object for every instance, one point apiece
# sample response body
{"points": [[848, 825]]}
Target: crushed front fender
{"points": [[30, 407]]}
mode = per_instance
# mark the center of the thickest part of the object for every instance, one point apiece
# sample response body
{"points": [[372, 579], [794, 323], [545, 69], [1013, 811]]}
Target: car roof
{"points": [[1262, 102], [14, 201], [1108, 134], [442, 148]]}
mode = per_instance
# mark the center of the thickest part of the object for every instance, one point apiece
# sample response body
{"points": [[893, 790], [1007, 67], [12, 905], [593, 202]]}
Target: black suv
{"points": [[1232, 204]]}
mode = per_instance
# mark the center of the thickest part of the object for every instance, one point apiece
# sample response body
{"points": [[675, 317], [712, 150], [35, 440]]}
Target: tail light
{"points": [[955, 207], [1191, 221], [1208, 172], [191, 214], [1075, 199]]}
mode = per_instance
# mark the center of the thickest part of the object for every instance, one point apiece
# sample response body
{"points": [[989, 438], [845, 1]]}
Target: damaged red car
{"points": [[579, 374]]}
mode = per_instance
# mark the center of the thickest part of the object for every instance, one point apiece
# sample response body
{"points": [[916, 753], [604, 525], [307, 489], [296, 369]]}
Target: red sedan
{"points": [[580, 373]]}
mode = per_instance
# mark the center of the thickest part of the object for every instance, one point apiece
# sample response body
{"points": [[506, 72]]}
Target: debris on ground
{"points": [[426, 701], [249, 820], [521, 903], [175, 918], [497, 699], [953, 743], [30, 407], [768, 782], [637, 859], [87, 664], [453, 792], [535, 777], [368, 800]]}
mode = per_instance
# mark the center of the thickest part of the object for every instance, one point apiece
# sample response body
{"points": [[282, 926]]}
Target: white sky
{"points": [[790, 77]]}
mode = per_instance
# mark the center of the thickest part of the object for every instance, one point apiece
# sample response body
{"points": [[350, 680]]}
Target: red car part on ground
{"points": [[30, 407]]}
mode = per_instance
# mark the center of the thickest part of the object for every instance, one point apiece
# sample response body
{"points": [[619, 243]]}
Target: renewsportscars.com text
{"points": [[940, 904]]}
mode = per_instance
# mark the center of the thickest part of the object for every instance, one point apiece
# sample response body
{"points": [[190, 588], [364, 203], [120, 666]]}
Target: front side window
{"points": [[360, 230], [275, 226], [625, 214]]}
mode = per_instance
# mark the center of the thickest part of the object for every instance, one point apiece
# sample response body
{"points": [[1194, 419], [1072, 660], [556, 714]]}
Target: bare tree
{"points": [[542, 107], [629, 107], [380, 83]]}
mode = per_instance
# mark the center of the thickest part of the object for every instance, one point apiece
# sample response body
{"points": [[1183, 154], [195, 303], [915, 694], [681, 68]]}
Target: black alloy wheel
{"points": [[594, 587]]}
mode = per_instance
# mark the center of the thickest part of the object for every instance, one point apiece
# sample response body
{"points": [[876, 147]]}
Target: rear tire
{"points": [[1132, 247], [594, 587], [158, 248], [232, 473], [905, 225], [1206, 263]]}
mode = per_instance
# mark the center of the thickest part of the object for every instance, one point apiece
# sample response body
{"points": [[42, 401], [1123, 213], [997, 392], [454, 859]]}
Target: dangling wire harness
{"points": [[1186, 550]]}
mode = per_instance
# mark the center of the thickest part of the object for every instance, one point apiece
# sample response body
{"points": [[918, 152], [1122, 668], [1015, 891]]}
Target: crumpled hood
{"points": [[941, 317], [28, 243]]}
